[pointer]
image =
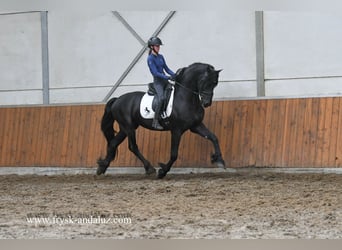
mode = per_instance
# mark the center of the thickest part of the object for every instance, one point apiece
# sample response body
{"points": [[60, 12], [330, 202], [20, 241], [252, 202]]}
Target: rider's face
{"points": [[156, 48]]}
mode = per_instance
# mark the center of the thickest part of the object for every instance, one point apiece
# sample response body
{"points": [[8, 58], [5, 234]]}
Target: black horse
{"points": [[193, 92]]}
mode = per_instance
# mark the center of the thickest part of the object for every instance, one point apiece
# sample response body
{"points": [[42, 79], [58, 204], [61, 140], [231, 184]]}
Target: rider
{"points": [[158, 67]]}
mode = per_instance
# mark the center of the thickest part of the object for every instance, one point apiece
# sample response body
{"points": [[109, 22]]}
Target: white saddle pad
{"points": [[146, 110]]}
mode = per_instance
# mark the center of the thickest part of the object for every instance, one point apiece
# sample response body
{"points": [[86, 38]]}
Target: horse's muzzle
{"points": [[206, 99], [206, 103]]}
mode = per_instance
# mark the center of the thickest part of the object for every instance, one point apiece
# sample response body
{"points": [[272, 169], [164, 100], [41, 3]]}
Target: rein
{"points": [[190, 90], [199, 93]]}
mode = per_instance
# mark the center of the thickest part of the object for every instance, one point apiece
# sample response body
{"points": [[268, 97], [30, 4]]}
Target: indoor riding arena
{"points": [[277, 114]]}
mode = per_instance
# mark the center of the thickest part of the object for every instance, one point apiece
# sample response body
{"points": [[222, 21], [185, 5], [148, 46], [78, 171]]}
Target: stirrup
{"points": [[156, 125]]}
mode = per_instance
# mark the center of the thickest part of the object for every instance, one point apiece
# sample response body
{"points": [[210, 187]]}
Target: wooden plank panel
{"points": [[338, 161], [18, 135], [267, 133], [254, 134], [284, 154], [56, 133], [270, 132], [76, 135], [65, 136], [54, 136], [279, 128], [242, 125], [86, 111], [6, 141], [83, 136], [334, 132], [320, 133], [91, 156], [6, 119], [231, 144], [24, 147], [327, 139], [292, 132], [184, 153], [275, 120], [31, 131], [69, 135], [13, 138], [39, 117], [49, 140], [259, 133], [236, 133], [300, 120], [247, 136], [3, 119], [298, 140], [314, 131], [41, 145], [306, 159], [45, 138]]}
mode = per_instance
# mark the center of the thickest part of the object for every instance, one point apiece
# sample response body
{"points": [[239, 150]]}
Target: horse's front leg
{"points": [[175, 140], [203, 131]]}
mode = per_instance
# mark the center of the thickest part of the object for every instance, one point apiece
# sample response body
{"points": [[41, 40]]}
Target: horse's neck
{"points": [[187, 92]]}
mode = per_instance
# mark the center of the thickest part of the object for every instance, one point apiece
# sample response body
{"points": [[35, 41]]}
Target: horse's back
{"points": [[128, 103], [130, 98]]}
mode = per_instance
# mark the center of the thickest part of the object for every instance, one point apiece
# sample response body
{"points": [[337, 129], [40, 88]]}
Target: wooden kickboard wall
{"points": [[301, 132]]}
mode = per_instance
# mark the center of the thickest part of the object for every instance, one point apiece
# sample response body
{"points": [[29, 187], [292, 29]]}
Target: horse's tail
{"points": [[108, 121]]}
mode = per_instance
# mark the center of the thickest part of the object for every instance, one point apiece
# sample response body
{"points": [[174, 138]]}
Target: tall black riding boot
{"points": [[155, 122]]}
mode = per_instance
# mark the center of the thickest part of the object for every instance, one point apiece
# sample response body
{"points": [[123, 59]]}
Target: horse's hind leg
{"points": [[111, 151], [132, 144]]}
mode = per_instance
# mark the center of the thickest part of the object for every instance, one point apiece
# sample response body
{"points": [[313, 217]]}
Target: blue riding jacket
{"points": [[157, 66]]}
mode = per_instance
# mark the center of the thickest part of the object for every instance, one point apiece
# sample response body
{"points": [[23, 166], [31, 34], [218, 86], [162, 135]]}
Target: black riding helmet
{"points": [[153, 41]]}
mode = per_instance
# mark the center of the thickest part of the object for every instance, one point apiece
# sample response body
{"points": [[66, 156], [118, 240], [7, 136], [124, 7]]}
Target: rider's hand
{"points": [[172, 78], [172, 82]]}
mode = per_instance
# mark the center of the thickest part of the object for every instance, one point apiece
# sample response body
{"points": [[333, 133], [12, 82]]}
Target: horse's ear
{"points": [[210, 68], [218, 71], [179, 73]]}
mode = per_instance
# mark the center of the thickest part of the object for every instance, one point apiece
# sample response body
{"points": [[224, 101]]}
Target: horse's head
{"points": [[201, 79], [208, 80]]}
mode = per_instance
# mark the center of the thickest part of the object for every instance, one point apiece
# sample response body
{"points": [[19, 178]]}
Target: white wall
{"points": [[303, 53], [88, 52], [20, 59]]}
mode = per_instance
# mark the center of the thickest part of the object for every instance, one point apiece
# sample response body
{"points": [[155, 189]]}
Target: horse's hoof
{"points": [[101, 170], [217, 159], [103, 165], [221, 165], [150, 170], [161, 174]]}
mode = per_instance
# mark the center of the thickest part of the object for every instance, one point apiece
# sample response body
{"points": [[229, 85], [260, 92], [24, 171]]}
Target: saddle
{"points": [[167, 94]]}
